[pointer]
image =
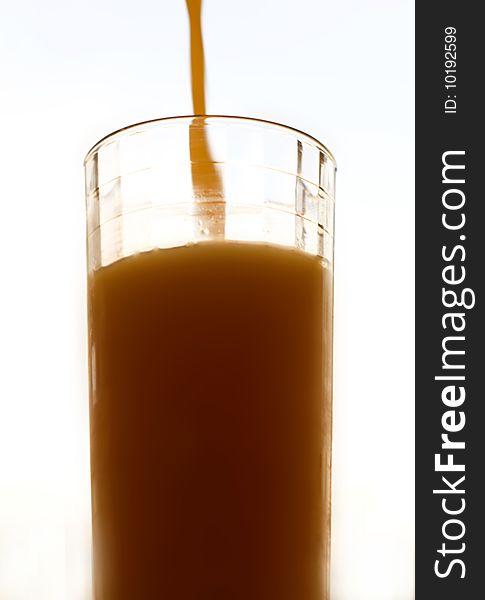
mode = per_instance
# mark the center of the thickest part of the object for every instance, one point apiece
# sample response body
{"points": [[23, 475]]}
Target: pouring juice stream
{"points": [[207, 185]]}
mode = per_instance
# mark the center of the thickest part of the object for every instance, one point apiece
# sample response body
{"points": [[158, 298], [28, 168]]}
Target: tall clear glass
{"points": [[210, 348]]}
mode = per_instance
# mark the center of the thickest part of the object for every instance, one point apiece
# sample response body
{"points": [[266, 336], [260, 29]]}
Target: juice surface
{"points": [[210, 424]]}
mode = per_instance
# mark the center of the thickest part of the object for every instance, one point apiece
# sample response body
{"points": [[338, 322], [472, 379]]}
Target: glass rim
{"points": [[118, 133]]}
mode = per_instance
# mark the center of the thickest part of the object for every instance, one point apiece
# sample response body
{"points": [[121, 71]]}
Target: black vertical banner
{"points": [[450, 268]]}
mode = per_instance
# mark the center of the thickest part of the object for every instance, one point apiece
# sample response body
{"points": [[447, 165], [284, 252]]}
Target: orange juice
{"points": [[210, 424]]}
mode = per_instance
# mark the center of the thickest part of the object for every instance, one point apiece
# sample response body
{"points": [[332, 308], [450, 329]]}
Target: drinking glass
{"points": [[210, 353]]}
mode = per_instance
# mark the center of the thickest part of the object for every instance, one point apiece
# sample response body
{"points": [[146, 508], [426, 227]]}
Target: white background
{"points": [[72, 72]]}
